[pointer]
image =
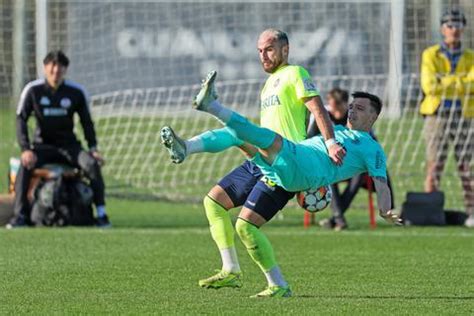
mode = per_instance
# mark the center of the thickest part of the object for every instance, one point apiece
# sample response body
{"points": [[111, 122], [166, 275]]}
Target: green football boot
{"points": [[222, 279], [175, 145], [274, 291], [207, 94]]}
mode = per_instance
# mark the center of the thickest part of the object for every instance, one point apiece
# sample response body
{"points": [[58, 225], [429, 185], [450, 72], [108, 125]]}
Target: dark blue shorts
{"points": [[245, 185]]}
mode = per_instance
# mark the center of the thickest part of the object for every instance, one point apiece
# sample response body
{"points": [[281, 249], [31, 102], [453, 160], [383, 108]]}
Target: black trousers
{"points": [[342, 201], [72, 155]]}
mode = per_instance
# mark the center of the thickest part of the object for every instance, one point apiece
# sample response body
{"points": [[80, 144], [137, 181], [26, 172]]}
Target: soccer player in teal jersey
{"points": [[300, 166], [287, 96]]}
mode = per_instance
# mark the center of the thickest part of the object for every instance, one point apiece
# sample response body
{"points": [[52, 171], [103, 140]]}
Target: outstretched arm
{"points": [[321, 116], [384, 200]]}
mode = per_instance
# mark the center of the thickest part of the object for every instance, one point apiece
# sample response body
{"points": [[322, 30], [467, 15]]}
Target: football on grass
{"points": [[315, 200]]}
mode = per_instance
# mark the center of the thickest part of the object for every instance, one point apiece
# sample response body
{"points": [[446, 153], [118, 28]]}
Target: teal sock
{"points": [[249, 132], [213, 141], [243, 128]]}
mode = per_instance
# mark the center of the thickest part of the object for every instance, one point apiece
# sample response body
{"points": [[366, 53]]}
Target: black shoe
{"points": [[340, 224], [327, 223], [17, 222], [103, 222]]}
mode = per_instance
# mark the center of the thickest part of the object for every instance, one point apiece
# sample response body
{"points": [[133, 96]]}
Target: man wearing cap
{"points": [[447, 81], [54, 101]]}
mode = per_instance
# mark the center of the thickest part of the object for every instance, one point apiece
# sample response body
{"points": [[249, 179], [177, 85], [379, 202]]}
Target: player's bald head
{"points": [[276, 35], [273, 49]]}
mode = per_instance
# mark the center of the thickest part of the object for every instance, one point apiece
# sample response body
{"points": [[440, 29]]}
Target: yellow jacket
{"points": [[439, 83]]}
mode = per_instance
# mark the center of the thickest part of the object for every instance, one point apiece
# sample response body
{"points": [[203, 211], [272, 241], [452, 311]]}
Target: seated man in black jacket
{"points": [[337, 107], [54, 101]]}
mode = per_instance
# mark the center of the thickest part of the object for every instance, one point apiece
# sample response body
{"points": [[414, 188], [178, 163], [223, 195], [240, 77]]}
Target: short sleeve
{"points": [[377, 163], [304, 85]]}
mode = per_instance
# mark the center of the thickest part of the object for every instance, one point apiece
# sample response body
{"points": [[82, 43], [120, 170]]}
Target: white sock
{"points": [[229, 260], [219, 111], [194, 145], [274, 277], [100, 210]]}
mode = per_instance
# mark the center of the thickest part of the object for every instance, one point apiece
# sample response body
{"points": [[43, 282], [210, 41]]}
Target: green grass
{"points": [[149, 263]]}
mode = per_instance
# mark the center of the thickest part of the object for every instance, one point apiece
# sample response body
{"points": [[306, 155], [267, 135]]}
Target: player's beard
{"points": [[274, 65]]}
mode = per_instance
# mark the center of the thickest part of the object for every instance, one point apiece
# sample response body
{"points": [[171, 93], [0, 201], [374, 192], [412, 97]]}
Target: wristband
{"points": [[330, 142]]}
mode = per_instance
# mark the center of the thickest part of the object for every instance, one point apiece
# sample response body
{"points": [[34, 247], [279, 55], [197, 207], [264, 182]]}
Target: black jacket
{"points": [[54, 112]]}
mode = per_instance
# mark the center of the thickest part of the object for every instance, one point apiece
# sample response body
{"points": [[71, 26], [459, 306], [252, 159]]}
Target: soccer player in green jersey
{"points": [[303, 165], [287, 97]]}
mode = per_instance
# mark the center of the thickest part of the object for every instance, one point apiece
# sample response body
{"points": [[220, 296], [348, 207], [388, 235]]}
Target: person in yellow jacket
{"points": [[447, 80]]}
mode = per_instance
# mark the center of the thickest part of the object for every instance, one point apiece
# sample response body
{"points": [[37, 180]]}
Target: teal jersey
{"points": [[307, 165]]}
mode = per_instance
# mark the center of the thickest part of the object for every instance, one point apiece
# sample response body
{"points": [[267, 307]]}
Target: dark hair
{"points": [[339, 95], [56, 56], [279, 35], [374, 100], [453, 15]]}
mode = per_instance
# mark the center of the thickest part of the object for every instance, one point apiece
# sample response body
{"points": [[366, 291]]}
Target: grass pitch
{"points": [[150, 262]]}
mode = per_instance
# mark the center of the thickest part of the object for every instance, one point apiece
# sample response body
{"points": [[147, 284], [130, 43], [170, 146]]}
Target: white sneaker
{"points": [[175, 145], [469, 221], [207, 94]]}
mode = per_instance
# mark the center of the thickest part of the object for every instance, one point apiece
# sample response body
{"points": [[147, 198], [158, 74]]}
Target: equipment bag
{"points": [[455, 217], [62, 202], [423, 209]]}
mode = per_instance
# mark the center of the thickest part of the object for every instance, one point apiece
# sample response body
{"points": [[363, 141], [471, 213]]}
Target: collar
{"points": [[49, 88], [280, 68], [455, 51]]}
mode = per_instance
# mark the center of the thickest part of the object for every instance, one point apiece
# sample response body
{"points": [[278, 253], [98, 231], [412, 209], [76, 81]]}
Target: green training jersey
{"points": [[282, 108]]}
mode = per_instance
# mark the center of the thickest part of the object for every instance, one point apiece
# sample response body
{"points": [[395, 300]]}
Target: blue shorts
{"points": [[245, 185]]}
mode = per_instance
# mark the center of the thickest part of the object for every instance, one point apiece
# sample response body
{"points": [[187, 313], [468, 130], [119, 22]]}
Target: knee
{"points": [[243, 230], [24, 173]]}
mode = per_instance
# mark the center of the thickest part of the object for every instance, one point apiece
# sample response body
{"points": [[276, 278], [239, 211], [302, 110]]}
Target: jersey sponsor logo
{"points": [[54, 112], [65, 103], [251, 203], [44, 101], [269, 183], [309, 85], [272, 100]]}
